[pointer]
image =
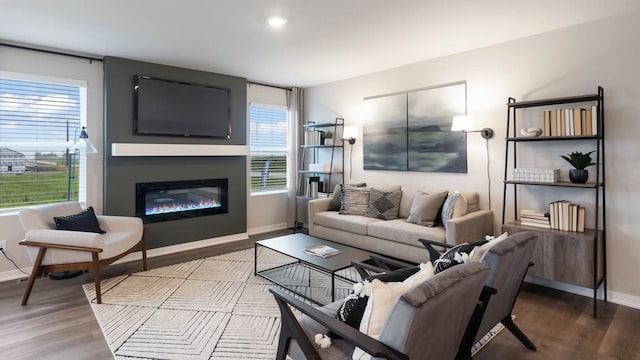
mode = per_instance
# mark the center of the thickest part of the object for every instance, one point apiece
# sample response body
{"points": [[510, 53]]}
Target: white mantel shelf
{"points": [[136, 149]]}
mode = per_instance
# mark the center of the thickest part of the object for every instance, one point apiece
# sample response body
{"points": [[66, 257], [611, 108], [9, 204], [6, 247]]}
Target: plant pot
{"points": [[578, 176], [328, 141]]}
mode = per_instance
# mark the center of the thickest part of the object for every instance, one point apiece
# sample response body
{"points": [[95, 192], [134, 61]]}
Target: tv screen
{"points": [[166, 107]]}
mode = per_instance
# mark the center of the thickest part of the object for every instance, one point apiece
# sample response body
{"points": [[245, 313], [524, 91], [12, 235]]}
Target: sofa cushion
{"points": [[354, 224], [355, 200], [383, 204], [401, 231], [424, 207]]}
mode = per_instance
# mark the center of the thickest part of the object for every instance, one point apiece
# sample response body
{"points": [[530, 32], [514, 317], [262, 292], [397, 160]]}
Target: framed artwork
{"points": [[385, 133], [411, 131]]}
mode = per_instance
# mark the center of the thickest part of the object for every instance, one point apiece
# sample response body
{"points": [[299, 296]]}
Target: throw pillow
{"points": [[335, 202], [448, 207], [383, 298], [458, 254], [384, 204], [354, 304], [355, 200], [478, 252], [85, 221], [424, 207]]}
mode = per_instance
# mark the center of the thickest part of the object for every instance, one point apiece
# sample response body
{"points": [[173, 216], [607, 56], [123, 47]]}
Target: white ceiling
{"points": [[323, 41]]}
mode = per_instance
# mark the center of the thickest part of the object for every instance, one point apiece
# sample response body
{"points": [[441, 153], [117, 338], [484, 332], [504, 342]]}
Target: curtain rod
{"points": [[269, 85], [90, 58]]}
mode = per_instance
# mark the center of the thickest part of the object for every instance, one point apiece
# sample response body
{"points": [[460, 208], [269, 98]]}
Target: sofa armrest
{"points": [[315, 206], [470, 227]]}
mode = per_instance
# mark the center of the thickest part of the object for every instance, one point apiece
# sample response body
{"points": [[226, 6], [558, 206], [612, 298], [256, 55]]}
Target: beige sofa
{"points": [[398, 238]]}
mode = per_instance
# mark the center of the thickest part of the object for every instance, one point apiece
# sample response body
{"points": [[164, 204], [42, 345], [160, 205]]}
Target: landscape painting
{"points": [[432, 146], [385, 133]]}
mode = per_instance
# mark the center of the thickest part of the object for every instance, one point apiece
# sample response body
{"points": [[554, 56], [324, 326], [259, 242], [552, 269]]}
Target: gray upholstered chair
{"points": [[53, 250], [508, 261], [427, 322]]}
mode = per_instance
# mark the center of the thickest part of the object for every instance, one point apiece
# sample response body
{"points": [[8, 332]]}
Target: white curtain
{"points": [[295, 104]]}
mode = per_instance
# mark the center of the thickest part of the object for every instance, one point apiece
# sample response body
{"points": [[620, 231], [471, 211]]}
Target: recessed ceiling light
{"points": [[277, 21]]}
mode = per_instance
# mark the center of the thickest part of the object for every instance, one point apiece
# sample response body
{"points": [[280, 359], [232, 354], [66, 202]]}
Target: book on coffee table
{"points": [[323, 251]]}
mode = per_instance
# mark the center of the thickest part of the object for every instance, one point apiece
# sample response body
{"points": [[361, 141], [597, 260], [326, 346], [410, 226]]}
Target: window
{"points": [[268, 146], [39, 122]]}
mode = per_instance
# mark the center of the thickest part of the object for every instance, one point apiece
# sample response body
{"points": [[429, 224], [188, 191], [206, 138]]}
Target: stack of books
{"points": [[564, 215], [534, 218], [571, 122], [323, 251]]}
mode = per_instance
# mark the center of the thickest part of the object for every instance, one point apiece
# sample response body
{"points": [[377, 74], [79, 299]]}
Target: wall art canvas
{"points": [[411, 131], [385, 133], [432, 146]]}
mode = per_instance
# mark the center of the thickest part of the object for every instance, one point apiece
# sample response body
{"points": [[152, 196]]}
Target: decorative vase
{"points": [[578, 176]]}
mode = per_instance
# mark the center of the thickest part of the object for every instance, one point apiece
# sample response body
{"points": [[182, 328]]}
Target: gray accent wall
{"points": [[121, 173]]}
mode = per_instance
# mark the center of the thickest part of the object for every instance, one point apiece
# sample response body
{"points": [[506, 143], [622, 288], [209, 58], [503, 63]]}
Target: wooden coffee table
{"points": [[293, 246]]}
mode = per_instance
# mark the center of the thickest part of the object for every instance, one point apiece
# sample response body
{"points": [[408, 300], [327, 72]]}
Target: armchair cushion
{"points": [[85, 221]]}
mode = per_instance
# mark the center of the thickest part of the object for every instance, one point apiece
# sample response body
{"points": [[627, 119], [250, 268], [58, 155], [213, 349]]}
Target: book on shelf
{"points": [[566, 216], [323, 251], [577, 121], [547, 123], [588, 125], [594, 120], [534, 224], [554, 122]]}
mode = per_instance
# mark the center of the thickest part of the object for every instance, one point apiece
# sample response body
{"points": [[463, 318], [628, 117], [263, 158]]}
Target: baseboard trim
{"points": [[612, 296], [265, 229], [15, 275]]}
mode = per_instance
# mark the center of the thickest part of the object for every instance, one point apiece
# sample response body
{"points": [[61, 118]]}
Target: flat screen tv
{"points": [[165, 107]]}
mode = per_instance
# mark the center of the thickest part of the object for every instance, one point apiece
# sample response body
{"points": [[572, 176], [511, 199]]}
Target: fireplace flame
{"points": [[178, 207]]}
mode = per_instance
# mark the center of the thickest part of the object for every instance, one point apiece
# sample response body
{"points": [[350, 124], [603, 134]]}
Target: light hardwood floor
{"points": [[58, 322]]}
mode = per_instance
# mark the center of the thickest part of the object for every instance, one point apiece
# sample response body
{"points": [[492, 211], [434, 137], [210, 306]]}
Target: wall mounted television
{"points": [[165, 107]]}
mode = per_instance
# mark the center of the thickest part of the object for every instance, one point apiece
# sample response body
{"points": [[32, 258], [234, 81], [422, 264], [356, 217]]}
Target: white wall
{"points": [[572, 61], [265, 212], [37, 63]]}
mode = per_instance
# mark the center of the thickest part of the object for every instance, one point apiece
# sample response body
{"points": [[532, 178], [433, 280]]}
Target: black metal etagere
{"points": [[598, 234]]}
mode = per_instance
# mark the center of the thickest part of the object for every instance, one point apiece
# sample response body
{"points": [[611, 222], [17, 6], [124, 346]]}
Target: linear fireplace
{"points": [[173, 200]]}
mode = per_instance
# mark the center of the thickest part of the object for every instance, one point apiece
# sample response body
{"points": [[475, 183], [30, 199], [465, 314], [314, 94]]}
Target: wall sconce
{"points": [[350, 134], [466, 124]]}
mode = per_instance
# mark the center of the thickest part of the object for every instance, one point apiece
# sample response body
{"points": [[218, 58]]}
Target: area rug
{"points": [[213, 308]]}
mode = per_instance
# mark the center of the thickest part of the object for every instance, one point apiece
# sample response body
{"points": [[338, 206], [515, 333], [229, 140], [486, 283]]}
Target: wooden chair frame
{"points": [[96, 265]]}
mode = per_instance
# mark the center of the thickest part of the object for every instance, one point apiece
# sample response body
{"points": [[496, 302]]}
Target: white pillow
{"points": [[478, 251], [381, 301]]}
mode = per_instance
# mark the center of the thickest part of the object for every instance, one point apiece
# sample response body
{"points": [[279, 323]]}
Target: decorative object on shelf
{"points": [[328, 137], [466, 124], [580, 161], [536, 175], [531, 132]]}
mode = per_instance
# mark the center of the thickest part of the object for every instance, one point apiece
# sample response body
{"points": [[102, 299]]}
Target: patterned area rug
{"points": [[213, 308]]}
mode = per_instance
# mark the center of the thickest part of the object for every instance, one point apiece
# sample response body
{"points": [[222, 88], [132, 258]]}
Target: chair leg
{"points": [[96, 277], [35, 272], [145, 265], [515, 330]]}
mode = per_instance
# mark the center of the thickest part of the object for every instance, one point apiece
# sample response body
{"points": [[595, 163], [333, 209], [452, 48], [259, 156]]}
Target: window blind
{"points": [[39, 121], [268, 148]]}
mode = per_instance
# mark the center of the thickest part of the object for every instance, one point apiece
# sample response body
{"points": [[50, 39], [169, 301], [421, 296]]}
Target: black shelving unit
{"points": [[596, 237], [313, 152]]}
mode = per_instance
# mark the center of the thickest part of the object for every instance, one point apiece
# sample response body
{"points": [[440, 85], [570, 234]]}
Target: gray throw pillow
{"points": [[384, 204], [355, 200], [424, 207], [449, 207], [336, 197]]}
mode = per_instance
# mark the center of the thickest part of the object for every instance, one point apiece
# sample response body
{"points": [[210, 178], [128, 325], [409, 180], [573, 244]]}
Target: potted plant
{"points": [[579, 161], [328, 137]]}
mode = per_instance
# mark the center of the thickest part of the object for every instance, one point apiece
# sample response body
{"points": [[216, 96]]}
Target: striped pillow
{"points": [[448, 207], [355, 200]]}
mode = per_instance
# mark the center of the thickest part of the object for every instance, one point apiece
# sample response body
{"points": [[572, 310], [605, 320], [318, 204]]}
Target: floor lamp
{"points": [[350, 134]]}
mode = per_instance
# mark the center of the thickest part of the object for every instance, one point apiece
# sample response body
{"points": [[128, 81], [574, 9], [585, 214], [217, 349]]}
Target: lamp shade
{"points": [[462, 123], [84, 144], [350, 132]]}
